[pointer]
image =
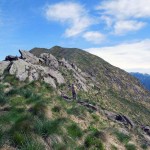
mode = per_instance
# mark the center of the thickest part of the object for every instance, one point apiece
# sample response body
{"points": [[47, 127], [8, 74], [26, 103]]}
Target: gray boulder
{"points": [[28, 57], [56, 75], [20, 69], [50, 81], [3, 66], [49, 60]]}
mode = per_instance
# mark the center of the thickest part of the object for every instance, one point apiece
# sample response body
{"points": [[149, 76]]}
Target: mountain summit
{"points": [[36, 101]]}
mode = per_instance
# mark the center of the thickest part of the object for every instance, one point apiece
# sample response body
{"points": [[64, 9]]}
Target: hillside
{"points": [[37, 110], [143, 78], [115, 87]]}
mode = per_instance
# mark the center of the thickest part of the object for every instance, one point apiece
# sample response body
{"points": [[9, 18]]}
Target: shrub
{"points": [[39, 109], [95, 117], [3, 99], [130, 147], [25, 142], [18, 138], [123, 138], [93, 142], [56, 109], [74, 131], [24, 124], [11, 79], [101, 135], [77, 111], [47, 127], [144, 146], [113, 147]]}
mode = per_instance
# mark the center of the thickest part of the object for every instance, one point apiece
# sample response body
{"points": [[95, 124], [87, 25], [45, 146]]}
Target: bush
{"points": [[25, 142], [93, 142], [39, 109], [56, 109], [18, 138], [123, 138], [32, 145], [11, 79], [113, 147], [24, 124], [144, 146], [130, 147], [77, 111], [47, 127], [74, 131], [3, 99]]}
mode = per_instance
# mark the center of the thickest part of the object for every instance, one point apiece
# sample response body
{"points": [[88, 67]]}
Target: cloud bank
{"points": [[129, 56]]}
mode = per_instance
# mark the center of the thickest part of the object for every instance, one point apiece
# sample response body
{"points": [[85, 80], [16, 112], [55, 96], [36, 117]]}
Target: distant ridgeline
{"points": [[144, 79]]}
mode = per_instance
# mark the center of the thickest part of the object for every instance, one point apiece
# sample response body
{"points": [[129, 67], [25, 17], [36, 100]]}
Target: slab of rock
{"points": [[20, 69], [3, 66], [119, 118], [29, 57], [57, 75], [49, 60], [50, 81]]}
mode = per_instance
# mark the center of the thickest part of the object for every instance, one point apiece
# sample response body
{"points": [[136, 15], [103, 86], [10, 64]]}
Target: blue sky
{"points": [[116, 30]]}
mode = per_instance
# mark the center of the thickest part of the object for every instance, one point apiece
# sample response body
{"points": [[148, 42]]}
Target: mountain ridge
{"points": [[37, 105], [143, 78]]}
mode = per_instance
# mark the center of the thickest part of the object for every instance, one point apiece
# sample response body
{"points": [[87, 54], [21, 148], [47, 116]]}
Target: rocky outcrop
{"points": [[65, 63], [3, 66], [45, 68], [120, 118], [49, 60], [28, 57]]}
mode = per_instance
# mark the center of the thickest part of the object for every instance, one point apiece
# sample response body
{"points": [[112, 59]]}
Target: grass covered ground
{"points": [[34, 117]]}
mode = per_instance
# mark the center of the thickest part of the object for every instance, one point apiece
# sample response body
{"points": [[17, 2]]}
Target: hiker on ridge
{"points": [[74, 92]]}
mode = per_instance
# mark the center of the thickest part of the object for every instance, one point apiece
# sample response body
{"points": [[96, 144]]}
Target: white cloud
{"points": [[125, 9], [73, 14], [94, 37], [122, 27], [124, 14], [129, 56]]}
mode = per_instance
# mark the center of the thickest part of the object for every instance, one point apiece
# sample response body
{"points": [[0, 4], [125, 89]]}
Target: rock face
{"points": [[49, 60], [3, 66], [28, 57]]}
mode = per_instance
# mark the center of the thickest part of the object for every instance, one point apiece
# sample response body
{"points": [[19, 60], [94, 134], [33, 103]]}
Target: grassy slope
{"points": [[33, 116], [117, 90]]}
